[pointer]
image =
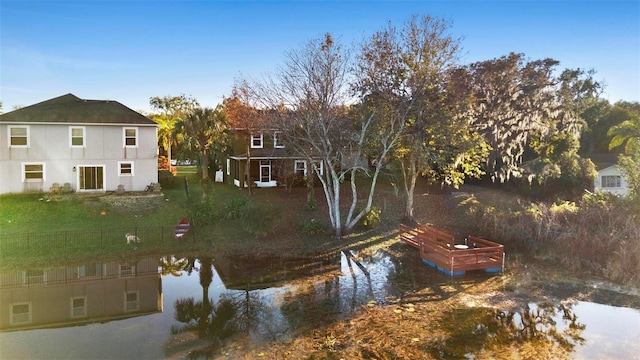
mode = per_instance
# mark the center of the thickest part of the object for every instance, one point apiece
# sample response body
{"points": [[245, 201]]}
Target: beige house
{"points": [[76, 295], [72, 144]]}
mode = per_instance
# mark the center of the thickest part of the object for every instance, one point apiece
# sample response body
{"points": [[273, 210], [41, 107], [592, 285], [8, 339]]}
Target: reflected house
{"points": [[78, 295], [247, 273]]}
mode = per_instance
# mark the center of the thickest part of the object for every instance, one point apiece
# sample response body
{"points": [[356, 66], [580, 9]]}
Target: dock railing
{"points": [[439, 249]]}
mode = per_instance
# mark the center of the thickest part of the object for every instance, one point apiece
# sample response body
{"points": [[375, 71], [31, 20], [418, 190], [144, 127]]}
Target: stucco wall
{"points": [[104, 146]]}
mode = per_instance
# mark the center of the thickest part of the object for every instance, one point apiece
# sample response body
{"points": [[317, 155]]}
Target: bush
{"points": [[234, 207], [372, 219], [260, 219], [204, 213], [167, 180], [311, 227]]}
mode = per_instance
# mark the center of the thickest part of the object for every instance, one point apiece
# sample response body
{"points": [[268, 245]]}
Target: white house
{"points": [[78, 145], [610, 178]]}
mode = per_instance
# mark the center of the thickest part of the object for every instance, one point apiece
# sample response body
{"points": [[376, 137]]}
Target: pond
{"points": [[154, 308]]}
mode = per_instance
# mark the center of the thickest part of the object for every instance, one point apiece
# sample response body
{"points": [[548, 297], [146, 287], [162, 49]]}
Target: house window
{"points": [[277, 140], [18, 136], [131, 301], [91, 177], [32, 172], [78, 306], [20, 313], [611, 181], [319, 167], [89, 270], [256, 141], [125, 168], [127, 270], [35, 277], [300, 168], [130, 137], [76, 136]]}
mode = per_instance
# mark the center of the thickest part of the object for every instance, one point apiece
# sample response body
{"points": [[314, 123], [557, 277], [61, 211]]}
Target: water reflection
{"points": [[537, 331], [81, 294], [215, 300]]}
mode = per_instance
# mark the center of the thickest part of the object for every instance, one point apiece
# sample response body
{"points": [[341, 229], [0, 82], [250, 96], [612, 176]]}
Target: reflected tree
{"points": [[170, 265], [531, 333], [212, 321]]}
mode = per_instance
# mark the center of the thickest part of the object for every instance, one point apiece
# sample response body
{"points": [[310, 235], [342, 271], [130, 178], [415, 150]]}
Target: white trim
{"points": [[29, 314], [84, 307], [228, 166], [18, 127], [84, 136], [277, 135], [124, 137], [135, 304], [120, 163], [104, 176], [303, 168], [254, 137], [131, 268], [44, 172]]}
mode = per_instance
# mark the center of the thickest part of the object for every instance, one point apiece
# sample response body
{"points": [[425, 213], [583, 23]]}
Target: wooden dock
{"points": [[438, 249]]}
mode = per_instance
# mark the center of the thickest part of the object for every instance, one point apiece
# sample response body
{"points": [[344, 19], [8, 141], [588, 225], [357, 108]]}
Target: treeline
{"points": [[402, 101]]}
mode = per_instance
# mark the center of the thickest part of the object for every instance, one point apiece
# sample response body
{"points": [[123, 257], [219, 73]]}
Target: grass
{"points": [[42, 229]]}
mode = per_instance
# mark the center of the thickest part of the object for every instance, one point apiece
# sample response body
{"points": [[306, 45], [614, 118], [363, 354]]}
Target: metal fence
{"points": [[86, 240]]}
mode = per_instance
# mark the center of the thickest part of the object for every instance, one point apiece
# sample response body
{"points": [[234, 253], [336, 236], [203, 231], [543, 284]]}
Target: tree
{"points": [[408, 79], [558, 166], [512, 101], [203, 129], [171, 108], [309, 99], [244, 117], [627, 134]]}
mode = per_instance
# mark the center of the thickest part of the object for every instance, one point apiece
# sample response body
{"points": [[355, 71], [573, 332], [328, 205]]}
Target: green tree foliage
{"points": [[204, 130], [169, 110], [407, 80], [512, 101], [627, 136]]}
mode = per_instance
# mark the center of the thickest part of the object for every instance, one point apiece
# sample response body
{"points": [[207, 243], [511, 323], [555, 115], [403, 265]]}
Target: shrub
{"points": [[311, 227], [260, 219], [372, 218], [167, 180], [204, 213], [234, 207]]}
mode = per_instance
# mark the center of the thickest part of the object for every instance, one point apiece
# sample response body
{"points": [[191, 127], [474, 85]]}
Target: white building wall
{"points": [[613, 170], [104, 146]]}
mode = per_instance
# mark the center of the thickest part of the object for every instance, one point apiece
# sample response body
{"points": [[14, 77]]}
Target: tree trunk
{"points": [[410, 176]]}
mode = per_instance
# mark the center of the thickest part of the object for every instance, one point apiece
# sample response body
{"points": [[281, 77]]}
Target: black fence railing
{"points": [[86, 240]]}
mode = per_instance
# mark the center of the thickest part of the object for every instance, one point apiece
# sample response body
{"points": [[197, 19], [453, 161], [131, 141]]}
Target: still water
{"points": [[142, 308]]}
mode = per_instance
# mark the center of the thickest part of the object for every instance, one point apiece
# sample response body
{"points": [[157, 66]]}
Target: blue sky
{"points": [[131, 51]]}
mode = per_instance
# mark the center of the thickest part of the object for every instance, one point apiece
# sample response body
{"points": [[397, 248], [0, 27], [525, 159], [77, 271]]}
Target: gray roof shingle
{"points": [[71, 109]]}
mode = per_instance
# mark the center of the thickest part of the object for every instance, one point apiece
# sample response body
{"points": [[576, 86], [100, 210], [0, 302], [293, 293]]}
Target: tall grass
{"points": [[599, 235]]}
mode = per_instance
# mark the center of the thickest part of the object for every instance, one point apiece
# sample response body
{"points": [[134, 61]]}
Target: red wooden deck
{"points": [[439, 250]]}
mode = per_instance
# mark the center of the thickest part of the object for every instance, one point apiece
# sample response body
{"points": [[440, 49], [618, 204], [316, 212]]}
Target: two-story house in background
{"points": [[78, 145], [270, 162]]}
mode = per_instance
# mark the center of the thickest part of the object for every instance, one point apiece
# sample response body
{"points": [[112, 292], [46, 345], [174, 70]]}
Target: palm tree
{"points": [[171, 265], [200, 129], [165, 129], [626, 133]]}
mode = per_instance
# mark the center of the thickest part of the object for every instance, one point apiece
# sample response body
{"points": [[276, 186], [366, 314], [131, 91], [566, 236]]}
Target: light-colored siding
{"points": [[49, 144], [613, 170]]}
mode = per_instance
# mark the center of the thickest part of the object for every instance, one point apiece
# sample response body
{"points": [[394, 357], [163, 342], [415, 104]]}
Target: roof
{"points": [[603, 161], [71, 109]]}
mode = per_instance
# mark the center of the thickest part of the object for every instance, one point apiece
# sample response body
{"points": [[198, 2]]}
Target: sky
{"points": [[130, 51]]}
